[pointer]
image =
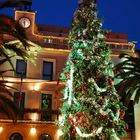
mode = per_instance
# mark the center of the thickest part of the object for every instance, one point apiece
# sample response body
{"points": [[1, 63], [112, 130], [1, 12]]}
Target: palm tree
{"points": [[9, 27], [129, 73]]}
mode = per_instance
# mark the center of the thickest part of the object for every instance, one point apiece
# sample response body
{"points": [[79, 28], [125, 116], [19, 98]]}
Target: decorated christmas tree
{"points": [[91, 106]]}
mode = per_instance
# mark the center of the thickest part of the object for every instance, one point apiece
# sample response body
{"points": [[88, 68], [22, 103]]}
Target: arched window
{"points": [[16, 136], [45, 137]]}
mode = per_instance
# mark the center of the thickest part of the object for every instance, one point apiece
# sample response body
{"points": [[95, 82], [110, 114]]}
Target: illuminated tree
{"points": [[91, 106]]}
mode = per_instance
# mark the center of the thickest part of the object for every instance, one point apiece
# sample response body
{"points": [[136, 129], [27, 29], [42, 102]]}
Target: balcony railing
{"points": [[39, 114], [36, 115], [113, 45]]}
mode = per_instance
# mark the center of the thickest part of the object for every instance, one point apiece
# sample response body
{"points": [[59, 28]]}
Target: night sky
{"points": [[118, 15]]}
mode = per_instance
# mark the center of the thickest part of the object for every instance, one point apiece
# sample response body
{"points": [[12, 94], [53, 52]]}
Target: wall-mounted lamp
{"points": [[34, 116], [33, 131], [36, 87], [1, 129]]}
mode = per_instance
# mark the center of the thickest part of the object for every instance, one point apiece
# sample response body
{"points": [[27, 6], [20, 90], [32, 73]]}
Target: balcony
{"points": [[35, 115]]}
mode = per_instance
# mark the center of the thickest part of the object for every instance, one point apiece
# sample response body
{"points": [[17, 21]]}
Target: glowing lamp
{"points": [[36, 87], [33, 131], [34, 116], [1, 129]]}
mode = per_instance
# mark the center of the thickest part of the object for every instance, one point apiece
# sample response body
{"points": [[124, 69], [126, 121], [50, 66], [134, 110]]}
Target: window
{"points": [[46, 105], [21, 66], [47, 70], [16, 136], [45, 137], [19, 99]]}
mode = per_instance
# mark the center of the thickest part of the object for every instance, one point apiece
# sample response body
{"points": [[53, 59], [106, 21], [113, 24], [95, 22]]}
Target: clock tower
{"points": [[26, 20]]}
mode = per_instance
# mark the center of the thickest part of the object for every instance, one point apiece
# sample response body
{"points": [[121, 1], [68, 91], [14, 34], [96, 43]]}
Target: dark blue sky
{"points": [[118, 15]]}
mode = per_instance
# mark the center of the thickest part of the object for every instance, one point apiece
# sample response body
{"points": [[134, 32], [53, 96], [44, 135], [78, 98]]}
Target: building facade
{"points": [[39, 85]]}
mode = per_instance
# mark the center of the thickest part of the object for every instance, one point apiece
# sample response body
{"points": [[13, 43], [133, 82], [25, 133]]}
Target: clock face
{"points": [[24, 22]]}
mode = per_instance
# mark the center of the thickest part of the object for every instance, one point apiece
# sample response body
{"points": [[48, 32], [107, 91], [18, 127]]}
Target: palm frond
{"points": [[129, 73], [5, 91], [137, 95], [4, 71], [8, 108], [17, 50], [3, 60], [13, 28], [5, 55]]}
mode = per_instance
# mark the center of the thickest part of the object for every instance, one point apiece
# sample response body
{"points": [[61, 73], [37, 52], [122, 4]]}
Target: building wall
{"points": [[24, 128]]}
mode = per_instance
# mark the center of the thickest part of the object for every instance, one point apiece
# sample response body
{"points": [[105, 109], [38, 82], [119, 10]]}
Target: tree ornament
{"points": [[84, 89], [73, 132], [85, 124], [115, 110], [67, 75], [79, 114], [71, 121], [110, 82], [114, 71], [96, 49], [116, 98], [122, 114], [86, 52]]}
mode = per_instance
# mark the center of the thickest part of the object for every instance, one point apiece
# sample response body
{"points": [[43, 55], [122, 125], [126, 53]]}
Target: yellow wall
{"points": [[24, 129]]}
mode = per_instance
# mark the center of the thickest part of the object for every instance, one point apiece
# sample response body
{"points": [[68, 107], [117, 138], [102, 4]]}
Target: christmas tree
{"points": [[91, 106]]}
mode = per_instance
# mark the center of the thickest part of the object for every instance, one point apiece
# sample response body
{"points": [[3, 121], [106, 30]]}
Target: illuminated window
{"points": [[21, 66], [47, 70], [46, 105], [16, 136], [19, 99], [45, 137]]}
